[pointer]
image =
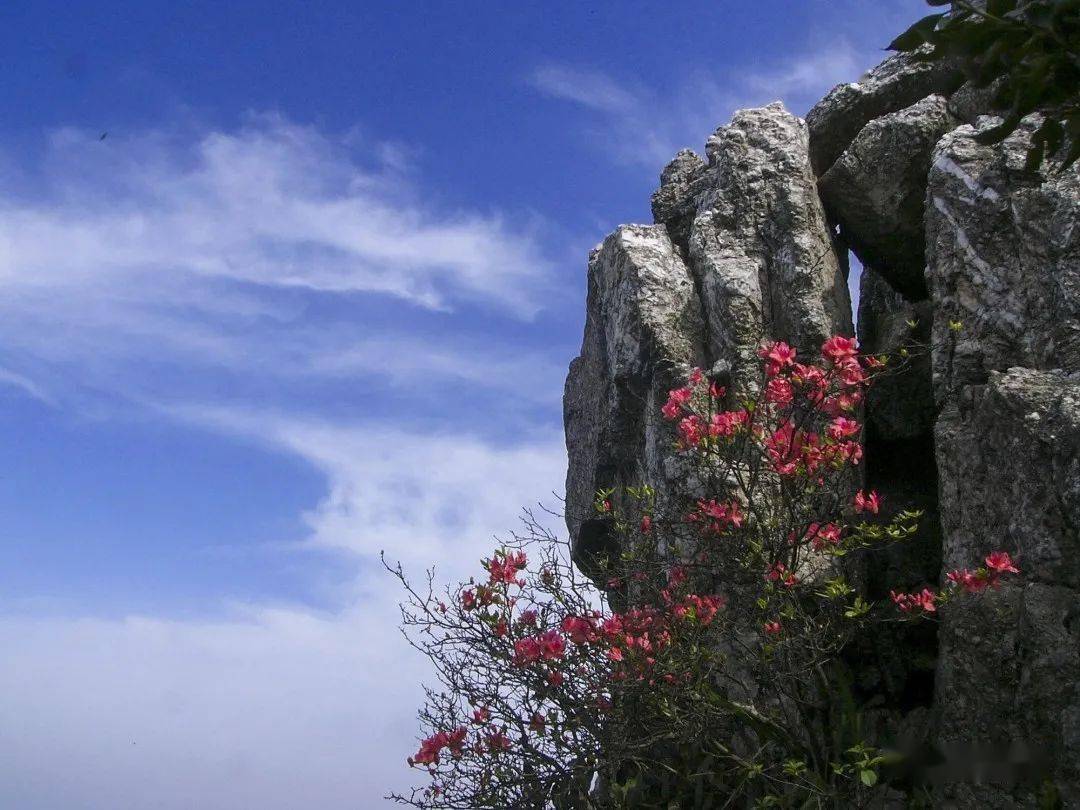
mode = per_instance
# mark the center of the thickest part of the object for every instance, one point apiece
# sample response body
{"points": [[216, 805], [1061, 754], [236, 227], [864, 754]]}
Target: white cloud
{"points": [[226, 250], [647, 127], [419, 495], [273, 204], [275, 708], [590, 88]]}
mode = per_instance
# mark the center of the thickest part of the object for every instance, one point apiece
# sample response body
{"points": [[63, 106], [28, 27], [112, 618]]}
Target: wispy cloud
{"points": [[25, 385], [644, 126], [419, 494], [272, 250], [589, 88], [273, 204]]}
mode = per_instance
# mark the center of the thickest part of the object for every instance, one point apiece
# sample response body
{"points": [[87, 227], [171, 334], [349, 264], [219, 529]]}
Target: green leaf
{"points": [[868, 778], [917, 35]]}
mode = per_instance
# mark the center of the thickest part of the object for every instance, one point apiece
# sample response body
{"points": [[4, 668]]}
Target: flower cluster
{"points": [[551, 681], [432, 747], [997, 565]]}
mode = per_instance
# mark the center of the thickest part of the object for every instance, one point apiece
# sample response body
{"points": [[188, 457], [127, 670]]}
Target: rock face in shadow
{"points": [[971, 285], [1009, 669], [876, 189]]}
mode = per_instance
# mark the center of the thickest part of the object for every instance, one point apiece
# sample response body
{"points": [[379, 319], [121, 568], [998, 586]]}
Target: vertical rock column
{"points": [[741, 252], [1003, 267]]}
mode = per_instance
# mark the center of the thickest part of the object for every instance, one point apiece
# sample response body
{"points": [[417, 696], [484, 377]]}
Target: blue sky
{"points": [[285, 284]]}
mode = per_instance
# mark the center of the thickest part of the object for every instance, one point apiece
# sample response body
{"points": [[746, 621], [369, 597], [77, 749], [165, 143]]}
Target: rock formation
{"points": [[962, 249]]}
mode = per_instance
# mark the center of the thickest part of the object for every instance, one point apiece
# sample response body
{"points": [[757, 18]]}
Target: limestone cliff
{"points": [[751, 242]]}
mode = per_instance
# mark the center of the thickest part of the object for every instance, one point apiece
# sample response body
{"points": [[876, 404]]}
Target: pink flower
{"points": [[614, 654], [867, 503], [504, 567], [970, 581], [1001, 562], [646, 524], [841, 427], [838, 347], [717, 391], [777, 356], [528, 618], [497, 742], [908, 602], [468, 599], [481, 716], [691, 431], [501, 628], [537, 723], [670, 410], [925, 600], [526, 651], [580, 629], [432, 747], [851, 373], [718, 517], [823, 534], [727, 423], [779, 391], [696, 376], [772, 628], [780, 574], [676, 400], [555, 678], [552, 645], [676, 576]]}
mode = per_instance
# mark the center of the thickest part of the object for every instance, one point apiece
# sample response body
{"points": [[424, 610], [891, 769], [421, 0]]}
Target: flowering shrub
{"points": [[706, 669]]}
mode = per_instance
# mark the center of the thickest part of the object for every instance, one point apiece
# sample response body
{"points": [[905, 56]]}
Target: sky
{"points": [[284, 285]]}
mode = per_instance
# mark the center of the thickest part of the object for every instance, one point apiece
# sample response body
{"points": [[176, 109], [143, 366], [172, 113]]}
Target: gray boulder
{"points": [[1003, 260], [760, 247], [876, 191], [898, 82], [743, 253], [900, 404]]}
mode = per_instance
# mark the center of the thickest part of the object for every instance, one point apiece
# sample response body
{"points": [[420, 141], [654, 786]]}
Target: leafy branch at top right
{"points": [[1028, 51]]}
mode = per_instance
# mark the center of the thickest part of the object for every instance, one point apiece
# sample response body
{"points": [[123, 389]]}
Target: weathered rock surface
{"points": [[743, 252], [759, 245], [896, 83], [643, 328], [1009, 670], [1003, 261], [876, 191]]}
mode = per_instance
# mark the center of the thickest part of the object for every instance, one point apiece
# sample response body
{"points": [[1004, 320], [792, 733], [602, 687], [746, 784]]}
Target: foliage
{"points": [[707, 669], [1030, 48]]}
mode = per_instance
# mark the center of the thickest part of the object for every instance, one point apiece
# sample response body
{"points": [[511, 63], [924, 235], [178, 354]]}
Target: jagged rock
{"points": [[898, 82], [876, 190], [900, 405], [643, 328], [969, 102], [673, 204], [1009, 456], [759, 262], [759, 245], [1003, 260]]}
